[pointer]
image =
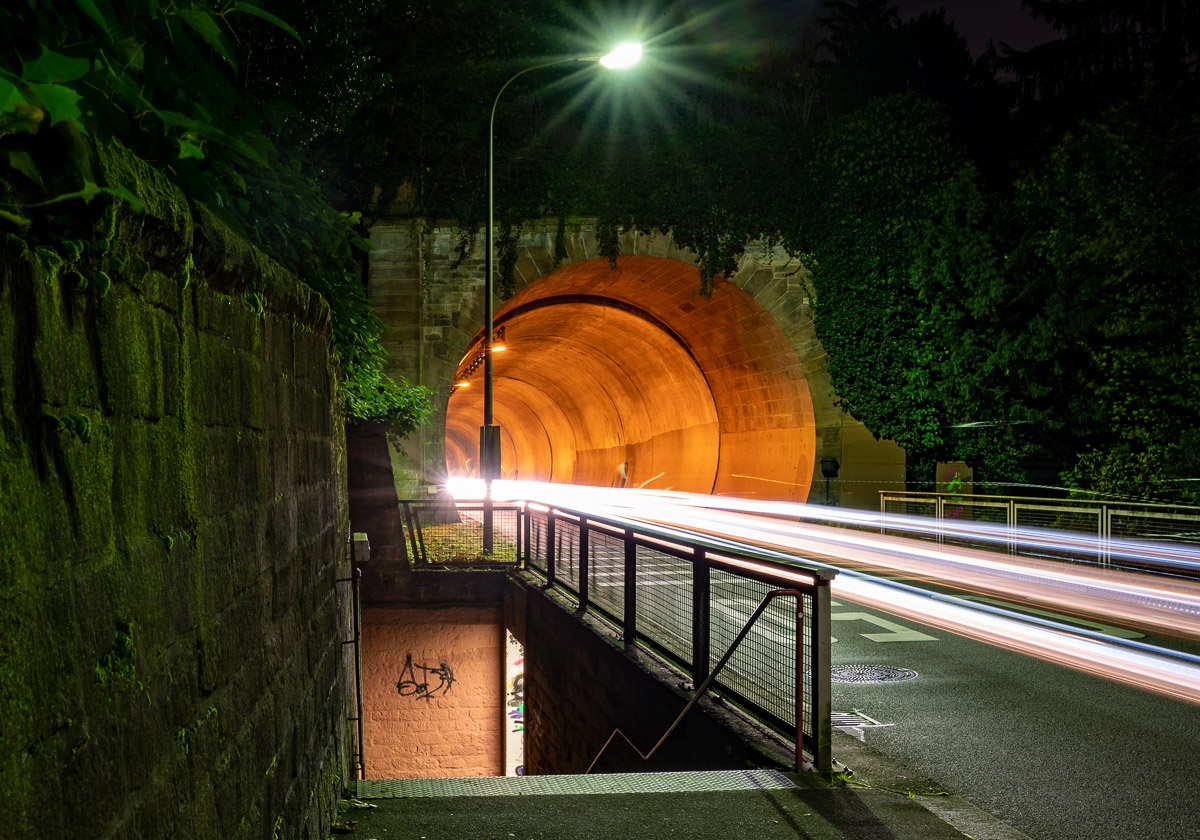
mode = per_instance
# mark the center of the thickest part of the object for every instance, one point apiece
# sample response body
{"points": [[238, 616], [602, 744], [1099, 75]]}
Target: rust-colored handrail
{"points": [[703, 687]]}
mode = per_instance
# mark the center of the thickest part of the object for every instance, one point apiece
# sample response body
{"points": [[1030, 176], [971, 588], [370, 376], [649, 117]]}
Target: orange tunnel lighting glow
{"points": [[629, 378]]}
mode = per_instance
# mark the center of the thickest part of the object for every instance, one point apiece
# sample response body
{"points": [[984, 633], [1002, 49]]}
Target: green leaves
{"points": [[251, 9], [208, 29], [52, 67], [60, 101]]}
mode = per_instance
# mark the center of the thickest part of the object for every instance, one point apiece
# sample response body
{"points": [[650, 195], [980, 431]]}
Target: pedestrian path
{"points": [[709, 780]]}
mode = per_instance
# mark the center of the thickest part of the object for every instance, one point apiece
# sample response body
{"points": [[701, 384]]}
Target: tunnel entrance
{"points": [[628, 377]]}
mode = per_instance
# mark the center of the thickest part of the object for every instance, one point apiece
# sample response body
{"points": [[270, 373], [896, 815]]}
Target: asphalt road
{"points": [[1056, 753]]}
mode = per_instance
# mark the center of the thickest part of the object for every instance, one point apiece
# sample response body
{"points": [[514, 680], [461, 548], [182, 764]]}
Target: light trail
{"points": [[1166, 604]]}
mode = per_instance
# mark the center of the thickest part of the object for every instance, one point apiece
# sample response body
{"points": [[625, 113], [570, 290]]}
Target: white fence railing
{"points": [[1103, 521]]}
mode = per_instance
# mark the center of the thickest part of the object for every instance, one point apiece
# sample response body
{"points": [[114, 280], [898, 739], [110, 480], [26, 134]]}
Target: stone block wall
{"points": [[173, 523], [433, 691], [426, 283]]}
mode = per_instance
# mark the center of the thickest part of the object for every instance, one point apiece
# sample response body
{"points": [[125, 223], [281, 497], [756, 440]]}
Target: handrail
{"points": [[703, 687], [600, 559]]}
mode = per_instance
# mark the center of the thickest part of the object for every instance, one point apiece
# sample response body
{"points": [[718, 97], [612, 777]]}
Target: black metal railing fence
{"points": [[685, 597]]}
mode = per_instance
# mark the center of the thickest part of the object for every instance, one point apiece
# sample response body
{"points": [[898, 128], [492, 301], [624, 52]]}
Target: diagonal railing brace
{"points": [[703, 687]]}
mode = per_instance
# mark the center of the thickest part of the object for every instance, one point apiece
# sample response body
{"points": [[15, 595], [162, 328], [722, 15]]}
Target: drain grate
{"points": [[679, 782], [870, 674]]}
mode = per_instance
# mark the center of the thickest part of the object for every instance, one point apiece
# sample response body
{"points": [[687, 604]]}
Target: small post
{"points": [[800, 683], [550, 559], [630, 618], [524, 529], [701, 589], [821, 686], [583, 563]]}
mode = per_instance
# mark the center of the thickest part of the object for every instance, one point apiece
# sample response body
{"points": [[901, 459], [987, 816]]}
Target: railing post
{"points": [[701, 598], [1105, 535], [800, 683], [524, 551], [821, 687], [583, 563], [550, 560], [1011, 513], [629, 629]]}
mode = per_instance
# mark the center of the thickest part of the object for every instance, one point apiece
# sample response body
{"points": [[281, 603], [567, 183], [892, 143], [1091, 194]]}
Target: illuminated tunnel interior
{"points": [[631, 371]]}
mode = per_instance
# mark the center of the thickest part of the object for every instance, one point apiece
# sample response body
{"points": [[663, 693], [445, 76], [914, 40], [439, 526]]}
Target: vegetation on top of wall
{"points": [[163, 80]]}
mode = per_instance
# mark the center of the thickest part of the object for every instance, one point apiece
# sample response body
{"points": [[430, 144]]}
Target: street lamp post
{"points": [[624, 55]]}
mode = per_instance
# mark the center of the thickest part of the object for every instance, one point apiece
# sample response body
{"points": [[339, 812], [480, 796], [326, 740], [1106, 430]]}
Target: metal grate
{"points": [[870, 674], [706, 781], [606, 573], [664, 605], [449, 535], [909, 507], [1159, 525], [538, 543], [566, 554], [763, 668]]}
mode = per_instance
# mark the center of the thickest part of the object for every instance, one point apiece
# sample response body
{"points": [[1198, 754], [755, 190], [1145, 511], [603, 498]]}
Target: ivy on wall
{"points": [[163, 80]]}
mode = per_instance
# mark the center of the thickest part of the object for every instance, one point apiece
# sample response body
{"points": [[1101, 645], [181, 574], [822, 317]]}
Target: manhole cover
{"points": [[870, 674]]}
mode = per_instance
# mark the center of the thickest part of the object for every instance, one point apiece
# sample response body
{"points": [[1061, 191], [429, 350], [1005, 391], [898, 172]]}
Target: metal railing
{"points": [[680, 595], [1104, 520], [684, 597], [451, 535], [700, 690]]}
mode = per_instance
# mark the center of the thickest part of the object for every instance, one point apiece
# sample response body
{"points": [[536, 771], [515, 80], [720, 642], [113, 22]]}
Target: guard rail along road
{"points": [[688, 599]]}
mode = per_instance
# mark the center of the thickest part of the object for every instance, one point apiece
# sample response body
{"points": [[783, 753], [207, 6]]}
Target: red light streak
{"points": [[1166, 604]]}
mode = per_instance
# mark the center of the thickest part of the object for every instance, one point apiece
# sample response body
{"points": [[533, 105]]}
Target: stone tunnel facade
{"points": [[620, 376]]}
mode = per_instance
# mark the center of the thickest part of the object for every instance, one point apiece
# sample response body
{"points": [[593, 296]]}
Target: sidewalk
{"points": [[874, 804]]}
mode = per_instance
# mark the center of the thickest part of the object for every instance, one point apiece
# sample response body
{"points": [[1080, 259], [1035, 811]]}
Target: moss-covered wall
{"points": [[172, 527]]}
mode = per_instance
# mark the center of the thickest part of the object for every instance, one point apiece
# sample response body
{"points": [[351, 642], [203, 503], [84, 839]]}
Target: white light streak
{"points": [[1170, 605]]}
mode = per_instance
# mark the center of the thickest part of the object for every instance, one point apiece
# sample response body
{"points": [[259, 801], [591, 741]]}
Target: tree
{"points": [[1108, 229], [164, 81], [875, 177]]}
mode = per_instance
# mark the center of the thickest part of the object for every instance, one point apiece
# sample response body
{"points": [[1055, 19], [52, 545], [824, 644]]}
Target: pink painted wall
{"points": [[443, 716]]}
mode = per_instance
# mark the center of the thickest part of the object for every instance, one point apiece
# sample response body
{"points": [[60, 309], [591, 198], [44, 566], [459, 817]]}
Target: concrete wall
{"points": [[172, 527], [433, 691]]}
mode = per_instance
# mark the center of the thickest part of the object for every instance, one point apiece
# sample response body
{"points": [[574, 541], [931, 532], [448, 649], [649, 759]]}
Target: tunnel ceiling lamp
{"points": [[623, 56]]}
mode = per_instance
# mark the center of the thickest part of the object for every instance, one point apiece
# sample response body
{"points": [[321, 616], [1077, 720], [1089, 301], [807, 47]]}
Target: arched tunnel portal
{"points": [[627, 376]]}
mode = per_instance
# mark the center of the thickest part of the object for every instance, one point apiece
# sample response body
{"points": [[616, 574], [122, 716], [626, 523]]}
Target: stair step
{"points": [[682, 782]]}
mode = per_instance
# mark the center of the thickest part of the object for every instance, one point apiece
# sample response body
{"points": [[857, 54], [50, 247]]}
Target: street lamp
{"points": [[623, 55]]}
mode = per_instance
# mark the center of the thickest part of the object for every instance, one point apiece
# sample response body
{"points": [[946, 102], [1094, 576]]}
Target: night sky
{"points": [[980, 20]]}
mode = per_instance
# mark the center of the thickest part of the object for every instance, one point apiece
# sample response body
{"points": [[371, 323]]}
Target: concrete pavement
{"points": [[878, 800]]}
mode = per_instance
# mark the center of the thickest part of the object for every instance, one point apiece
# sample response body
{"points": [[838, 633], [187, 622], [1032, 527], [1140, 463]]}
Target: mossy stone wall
{"points": [[173, 522]]}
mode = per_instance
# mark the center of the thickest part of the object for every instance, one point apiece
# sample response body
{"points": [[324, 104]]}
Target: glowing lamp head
{"points": [[466, 383], [623, 55]]}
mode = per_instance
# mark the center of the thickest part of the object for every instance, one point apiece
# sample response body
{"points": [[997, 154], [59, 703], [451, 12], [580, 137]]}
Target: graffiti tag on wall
{"points": [[410, 685], [516, 702]]}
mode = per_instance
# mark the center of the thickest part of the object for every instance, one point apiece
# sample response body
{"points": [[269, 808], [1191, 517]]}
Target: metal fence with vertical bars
{"points": [[684, 597], [687, 599], [1104, 520]]}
